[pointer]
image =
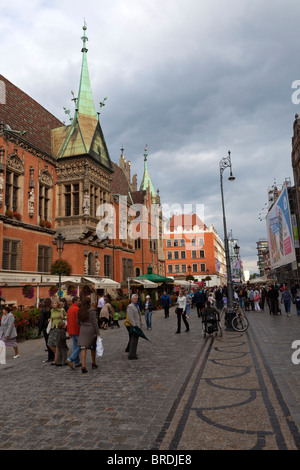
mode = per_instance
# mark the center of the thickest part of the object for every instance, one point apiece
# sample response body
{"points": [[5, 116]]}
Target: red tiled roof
{"points": [[119, 183], [23, 113]]}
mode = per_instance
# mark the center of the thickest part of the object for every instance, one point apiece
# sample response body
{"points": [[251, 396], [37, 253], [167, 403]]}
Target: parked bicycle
{"points": [[236, 318]]}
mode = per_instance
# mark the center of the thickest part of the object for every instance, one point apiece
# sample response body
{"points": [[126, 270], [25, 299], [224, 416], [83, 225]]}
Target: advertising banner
{"points": [[280, 232]]}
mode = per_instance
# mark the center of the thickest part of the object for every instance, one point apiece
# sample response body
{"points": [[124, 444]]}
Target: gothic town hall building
{"points": [[53, 178]]}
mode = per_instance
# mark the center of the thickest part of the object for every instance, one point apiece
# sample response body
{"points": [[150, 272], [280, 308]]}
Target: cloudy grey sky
{"points": [[192, 79]]}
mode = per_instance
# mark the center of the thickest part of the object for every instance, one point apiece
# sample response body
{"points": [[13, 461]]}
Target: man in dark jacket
{"points": [[273, 296], [166, 303], [199, 300]]}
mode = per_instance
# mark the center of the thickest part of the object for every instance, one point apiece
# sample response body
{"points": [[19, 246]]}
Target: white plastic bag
{"points": [[99, 347]]}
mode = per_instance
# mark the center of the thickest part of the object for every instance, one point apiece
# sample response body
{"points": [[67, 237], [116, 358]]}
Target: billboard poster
{"points": [[280, 232]]}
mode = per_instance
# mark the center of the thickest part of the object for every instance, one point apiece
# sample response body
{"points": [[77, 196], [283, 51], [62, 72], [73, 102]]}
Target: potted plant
{"points": [[53, 290], [28, 291], [17, 216], [62, 267], [9, 214], [72, 291], [86, 290]]}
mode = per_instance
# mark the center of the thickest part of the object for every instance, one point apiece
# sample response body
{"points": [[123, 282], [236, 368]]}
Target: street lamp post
{"points": [[189, 270], [237, 253], [226, 163], [60, 241]]}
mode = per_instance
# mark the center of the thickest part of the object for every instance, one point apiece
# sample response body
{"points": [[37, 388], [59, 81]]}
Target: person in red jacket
{"points": [[73, 330]]}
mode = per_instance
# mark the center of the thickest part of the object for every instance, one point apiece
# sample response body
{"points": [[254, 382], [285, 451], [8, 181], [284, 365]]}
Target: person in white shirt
{"points": [[181, 312], [101, 303]]}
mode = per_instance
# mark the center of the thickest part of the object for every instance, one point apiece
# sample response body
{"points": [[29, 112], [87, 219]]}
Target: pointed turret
{"points": [[84, 135], [85, 102], [146, 181]]}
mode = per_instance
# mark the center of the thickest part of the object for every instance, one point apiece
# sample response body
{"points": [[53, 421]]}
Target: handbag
{"points": [[256, 298], [49, 326], [99, 347]]}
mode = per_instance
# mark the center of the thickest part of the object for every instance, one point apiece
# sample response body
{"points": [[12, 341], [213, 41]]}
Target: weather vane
{"points": [[101, 104]]}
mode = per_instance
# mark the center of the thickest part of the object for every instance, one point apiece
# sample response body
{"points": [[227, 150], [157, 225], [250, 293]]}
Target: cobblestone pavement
{"points": [[238, 391]]}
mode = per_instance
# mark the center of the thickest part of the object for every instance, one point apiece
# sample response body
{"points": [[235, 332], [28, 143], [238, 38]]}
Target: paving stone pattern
{"points": [[236, 392]]}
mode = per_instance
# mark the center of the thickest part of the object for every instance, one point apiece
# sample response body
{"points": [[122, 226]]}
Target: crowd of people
{"points": [[81, 322]]}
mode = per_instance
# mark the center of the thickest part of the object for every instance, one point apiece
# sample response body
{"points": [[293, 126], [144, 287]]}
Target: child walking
{"points": [[61, 344]]}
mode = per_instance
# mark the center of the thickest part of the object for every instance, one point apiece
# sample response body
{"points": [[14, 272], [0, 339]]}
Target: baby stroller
{"points": [[211, 322]]}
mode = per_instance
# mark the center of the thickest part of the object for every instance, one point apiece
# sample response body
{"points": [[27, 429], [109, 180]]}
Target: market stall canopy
{"points": [[144, 282], [150, 276], [64, 279], [103, 283], [13, 278], [262, 280], [183, 283]]}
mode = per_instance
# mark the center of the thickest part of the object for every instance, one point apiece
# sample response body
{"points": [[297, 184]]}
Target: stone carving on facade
{"points": [[15, 163], [46, 178], [86, 204], [97, 267], [31, 202], [86, 265], [1, 188]]}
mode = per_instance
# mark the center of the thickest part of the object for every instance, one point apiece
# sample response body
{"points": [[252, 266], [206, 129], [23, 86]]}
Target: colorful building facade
{"points": [[192, 248]]}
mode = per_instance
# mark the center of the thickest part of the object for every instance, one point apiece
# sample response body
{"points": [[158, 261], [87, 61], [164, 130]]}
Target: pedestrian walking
{"points": [[219, 302], [297, 304], [43, 323], [286, 299], [273, 296], [148, 307], [89, 330], [105, 314], [199, 300], [211, 299], [188, 305], [73, 330], [133, 318], [251, 298], [256, 300], [116, 317], [166, 303], [180, 311], [57, 314], [61, 344], [100, 304], [8, 332], [64, 304]]}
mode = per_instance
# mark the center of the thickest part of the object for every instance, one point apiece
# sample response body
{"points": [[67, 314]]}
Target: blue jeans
{"points": [[76, 350], [287, 306], [148, 318]]}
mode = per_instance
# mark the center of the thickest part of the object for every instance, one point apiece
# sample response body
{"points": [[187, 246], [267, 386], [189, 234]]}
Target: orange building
{"points": [[56, 178], [193, 248]]}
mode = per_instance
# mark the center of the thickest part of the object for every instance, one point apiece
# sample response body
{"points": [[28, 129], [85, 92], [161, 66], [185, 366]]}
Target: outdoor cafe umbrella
{"points": [[155, 277]]}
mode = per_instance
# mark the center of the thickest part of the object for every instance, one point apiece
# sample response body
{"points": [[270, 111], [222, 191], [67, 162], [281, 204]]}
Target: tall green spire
{"points": [[84, 135], [85, 101], [146, 181]]}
